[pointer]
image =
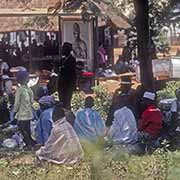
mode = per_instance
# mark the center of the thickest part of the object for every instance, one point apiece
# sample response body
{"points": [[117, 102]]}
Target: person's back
{"points": [[67, 76], [151, 118], [175, 113], [68, 69], [88, 123], [63, 145], [44, 124], [125, 88], [124, 129]]}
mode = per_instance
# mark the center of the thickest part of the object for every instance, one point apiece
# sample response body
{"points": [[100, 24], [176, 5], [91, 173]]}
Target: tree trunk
{"points": [[144, 43]]}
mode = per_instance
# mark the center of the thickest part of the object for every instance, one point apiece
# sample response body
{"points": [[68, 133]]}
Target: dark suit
{"points": [[67, 80]]}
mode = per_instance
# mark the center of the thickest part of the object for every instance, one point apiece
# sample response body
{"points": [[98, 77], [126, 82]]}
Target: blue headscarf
{"points": [[22, 77]]}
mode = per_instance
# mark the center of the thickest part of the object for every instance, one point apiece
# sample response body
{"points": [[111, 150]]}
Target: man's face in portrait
{"points": [[76, 31]]}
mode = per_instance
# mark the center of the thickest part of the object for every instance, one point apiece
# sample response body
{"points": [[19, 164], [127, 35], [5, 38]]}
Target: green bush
{"points": [[102, 100], [78, 101], [169, 91]]}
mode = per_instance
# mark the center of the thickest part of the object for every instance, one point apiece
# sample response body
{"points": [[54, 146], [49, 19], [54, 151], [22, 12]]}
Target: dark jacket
{"points": [[67, 72]]}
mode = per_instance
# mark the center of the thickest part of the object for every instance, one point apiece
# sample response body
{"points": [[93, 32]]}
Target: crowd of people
{"points": [[17, 54], [134, 121]]}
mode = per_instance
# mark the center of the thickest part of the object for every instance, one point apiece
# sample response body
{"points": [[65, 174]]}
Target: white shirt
{"points": [[174, 106], [124, 128]]}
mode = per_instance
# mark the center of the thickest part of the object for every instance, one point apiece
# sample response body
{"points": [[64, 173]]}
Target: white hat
{"points": [[149, 95]]}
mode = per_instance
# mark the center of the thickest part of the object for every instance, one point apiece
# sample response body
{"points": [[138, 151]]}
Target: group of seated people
{"points": [[60, 139], [60, 134]]}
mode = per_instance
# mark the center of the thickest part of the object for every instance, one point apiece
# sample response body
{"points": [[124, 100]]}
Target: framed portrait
{"points": [[80, 34]]}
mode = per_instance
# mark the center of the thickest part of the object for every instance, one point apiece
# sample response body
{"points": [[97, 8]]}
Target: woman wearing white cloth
{"points": [[63, 146]]}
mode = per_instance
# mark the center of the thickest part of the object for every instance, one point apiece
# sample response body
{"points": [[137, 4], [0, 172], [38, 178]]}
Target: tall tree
{"points": [[143, 39]]}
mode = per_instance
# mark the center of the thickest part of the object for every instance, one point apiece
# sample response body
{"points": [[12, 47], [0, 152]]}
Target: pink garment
{"points": [[102, 54]]}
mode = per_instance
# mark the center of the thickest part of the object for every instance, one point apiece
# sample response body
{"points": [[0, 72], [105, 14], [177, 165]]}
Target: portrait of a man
{"points": [[80, 35], [79, 45]]}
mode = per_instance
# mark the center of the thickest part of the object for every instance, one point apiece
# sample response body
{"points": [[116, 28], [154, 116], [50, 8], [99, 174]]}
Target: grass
{"points": [[115, 166]]}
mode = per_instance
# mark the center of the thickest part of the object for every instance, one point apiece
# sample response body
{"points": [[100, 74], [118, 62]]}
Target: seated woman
{"points": [[88, 123], [44, 124], [63, 146], [124, 129]]}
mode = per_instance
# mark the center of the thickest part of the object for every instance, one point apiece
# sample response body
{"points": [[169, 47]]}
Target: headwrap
{"points": [[22, 77], [47, 101]]}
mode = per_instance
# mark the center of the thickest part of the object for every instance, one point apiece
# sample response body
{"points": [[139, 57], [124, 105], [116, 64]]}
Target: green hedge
{"points": [[102, 100], [169, 91]]}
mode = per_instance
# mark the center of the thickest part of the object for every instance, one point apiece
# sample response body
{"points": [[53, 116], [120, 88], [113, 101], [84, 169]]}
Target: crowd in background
{"points": [[16, 55]]}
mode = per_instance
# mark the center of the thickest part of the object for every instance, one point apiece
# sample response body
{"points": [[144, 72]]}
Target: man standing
{"points": [[67, 76]]}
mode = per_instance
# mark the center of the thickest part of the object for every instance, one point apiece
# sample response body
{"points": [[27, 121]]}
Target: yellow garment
{"points": [[23, 103]]}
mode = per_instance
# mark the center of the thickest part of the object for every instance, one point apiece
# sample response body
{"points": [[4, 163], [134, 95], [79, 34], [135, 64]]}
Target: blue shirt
{"points": [[89, 125], [44, 126]]}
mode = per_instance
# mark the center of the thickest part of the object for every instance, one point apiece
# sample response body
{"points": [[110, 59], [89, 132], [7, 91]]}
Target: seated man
{"points": [[175, 112], [150, 123], [123, 130], [88, 123], [173, 131], [63, 146], [125, 88], [44, 124]]}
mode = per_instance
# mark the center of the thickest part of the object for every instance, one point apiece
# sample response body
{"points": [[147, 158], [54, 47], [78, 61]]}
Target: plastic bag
{"points": [[10, 143], [19, 139]]}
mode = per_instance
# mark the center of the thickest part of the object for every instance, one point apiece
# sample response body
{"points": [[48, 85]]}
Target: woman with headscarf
{"points": [[63, 146], [44, 124]]}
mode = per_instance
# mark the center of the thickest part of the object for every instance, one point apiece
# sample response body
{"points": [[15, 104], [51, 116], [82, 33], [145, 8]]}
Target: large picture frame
{"points": [[80, 34]]}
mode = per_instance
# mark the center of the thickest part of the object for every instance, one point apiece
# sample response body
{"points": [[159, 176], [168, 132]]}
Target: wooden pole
{"points": [[60, 37], [143, 38], [30, 51], [96, 44]]}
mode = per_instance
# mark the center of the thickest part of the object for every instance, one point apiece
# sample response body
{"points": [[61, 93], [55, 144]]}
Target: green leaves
{"points": [[169, 91], [102, 100]]}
